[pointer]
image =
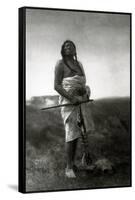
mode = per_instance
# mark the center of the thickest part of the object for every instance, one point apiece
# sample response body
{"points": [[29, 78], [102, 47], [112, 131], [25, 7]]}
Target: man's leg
{"points": [[74, 150], [70, 153]]}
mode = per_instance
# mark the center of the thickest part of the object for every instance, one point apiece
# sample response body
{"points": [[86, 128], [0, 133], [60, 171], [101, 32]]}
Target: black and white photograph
{"points": [[77, 99]]}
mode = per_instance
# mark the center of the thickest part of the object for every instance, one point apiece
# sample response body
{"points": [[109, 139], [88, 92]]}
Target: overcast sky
{"points": [[102, 42]]}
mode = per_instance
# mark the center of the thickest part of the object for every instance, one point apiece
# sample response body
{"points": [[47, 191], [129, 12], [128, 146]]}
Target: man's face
{"points": [[69, 49]]}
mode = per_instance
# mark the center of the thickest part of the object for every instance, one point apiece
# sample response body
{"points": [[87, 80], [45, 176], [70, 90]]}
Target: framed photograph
{"points": [[74, 99]]}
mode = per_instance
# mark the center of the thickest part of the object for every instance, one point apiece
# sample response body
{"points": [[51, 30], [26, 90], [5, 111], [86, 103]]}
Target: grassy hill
{"points": [[45, 152]]}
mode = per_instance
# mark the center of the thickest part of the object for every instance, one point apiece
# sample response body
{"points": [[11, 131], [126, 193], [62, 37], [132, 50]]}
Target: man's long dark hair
{"points": [[62, 49], [74, 56]]}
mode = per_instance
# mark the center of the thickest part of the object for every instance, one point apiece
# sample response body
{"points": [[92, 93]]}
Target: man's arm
{"points": [[58, 80], [88, 90], [83, 72]]}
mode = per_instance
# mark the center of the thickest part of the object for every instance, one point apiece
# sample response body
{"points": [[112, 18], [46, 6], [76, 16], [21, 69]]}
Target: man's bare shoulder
{"points": [[59, 65], [79, 62]]}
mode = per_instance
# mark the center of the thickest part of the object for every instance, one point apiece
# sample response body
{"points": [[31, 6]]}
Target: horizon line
{"points": [[97, 98]]}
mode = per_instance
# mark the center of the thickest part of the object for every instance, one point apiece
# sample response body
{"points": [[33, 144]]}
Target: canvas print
{"points": [[77, 115]]}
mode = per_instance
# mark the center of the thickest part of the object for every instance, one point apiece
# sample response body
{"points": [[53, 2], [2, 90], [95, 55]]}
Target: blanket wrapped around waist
{"points": [[71, 114]]}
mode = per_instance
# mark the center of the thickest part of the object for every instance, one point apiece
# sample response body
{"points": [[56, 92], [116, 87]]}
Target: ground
{"points": [[111, 141]]}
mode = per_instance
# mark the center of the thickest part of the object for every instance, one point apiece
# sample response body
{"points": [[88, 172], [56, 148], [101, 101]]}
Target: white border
{"points": [[9, 98]]}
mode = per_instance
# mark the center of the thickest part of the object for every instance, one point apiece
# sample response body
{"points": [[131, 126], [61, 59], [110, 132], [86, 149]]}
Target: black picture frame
{"points": [[22, 100]]}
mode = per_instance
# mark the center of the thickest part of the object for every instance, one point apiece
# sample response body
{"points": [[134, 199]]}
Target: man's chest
{"points": [[72, 70]]}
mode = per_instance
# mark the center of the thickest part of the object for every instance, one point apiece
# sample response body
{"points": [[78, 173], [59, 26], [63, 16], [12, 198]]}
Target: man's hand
{"points": [[76, 100]]}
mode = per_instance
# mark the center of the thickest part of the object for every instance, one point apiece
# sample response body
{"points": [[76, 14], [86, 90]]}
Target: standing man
{"points": [[70, 83]]}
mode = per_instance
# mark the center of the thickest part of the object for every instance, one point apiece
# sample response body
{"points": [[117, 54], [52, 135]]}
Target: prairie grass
{"points": [[45, 148]]}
